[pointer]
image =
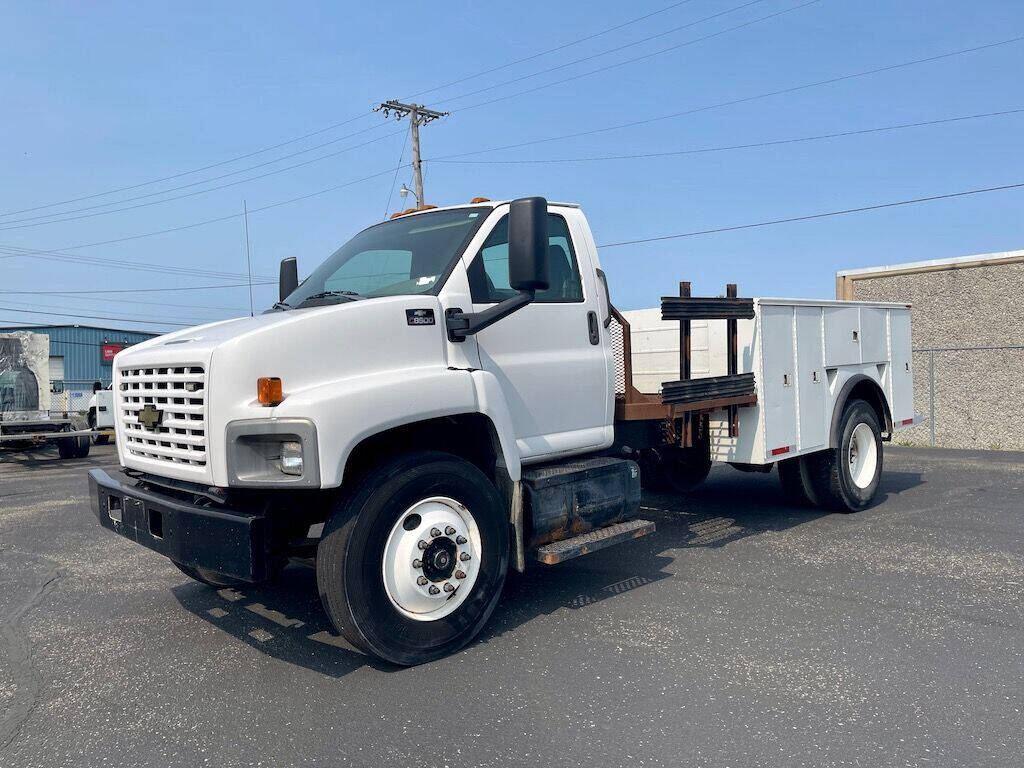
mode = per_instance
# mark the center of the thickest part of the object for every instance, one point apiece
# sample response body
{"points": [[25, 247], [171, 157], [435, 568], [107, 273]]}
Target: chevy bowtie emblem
{"points": [[150, 417]]}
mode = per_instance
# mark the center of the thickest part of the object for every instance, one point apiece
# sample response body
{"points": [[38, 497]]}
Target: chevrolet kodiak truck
{"points": [[451, 394]]}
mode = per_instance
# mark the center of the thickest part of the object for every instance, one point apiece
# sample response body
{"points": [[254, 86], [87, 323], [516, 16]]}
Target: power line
{"points": [[187, 173], [401, 156], [812, 216], [557, 48], [646, 56], [94, 317], [4, 225], [727, 148], [342, 122], [147, 302], [62, 256], [743, 100], [142, 318], [136, 290], [195, 224], [616, 49]]}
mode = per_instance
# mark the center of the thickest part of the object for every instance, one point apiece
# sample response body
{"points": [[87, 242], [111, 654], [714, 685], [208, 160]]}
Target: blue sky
{"points": [[107, 95]]}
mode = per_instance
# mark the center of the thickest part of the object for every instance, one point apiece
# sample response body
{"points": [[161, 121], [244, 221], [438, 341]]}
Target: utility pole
{"points": [[418, 115]]}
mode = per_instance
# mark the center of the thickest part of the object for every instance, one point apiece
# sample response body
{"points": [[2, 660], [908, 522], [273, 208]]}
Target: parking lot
{"points": [[743, 632]]}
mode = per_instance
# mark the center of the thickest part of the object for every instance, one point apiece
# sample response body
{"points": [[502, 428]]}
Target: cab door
{"points": [[549, 357]]}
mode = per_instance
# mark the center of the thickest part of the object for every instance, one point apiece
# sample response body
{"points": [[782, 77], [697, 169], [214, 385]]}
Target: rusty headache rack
{"points": [[684, 398]]}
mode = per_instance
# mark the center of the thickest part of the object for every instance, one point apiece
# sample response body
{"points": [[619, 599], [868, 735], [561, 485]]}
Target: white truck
{"points": [[451, 394], [100, 414]]}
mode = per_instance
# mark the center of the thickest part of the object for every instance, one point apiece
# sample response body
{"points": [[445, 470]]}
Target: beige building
{"points": [[968, 336]]}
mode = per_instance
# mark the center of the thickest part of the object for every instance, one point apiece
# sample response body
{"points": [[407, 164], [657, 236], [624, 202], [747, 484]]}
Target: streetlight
{"points": [[405, 192]]}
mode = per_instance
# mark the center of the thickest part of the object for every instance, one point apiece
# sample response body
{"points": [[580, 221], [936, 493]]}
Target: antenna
{"points": [[248, 257]]}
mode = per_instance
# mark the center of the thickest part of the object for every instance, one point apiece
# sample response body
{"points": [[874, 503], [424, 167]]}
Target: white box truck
{"points": [[451, 394]]}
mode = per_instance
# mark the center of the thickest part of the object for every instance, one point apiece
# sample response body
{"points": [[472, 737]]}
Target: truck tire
{"points": [[795, 480], [389, 563], [73, 447], [208, 577], [97, 439], [846, 478], [684, 469]]}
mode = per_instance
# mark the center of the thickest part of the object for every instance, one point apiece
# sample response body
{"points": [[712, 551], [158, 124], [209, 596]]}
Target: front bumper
{"points": [[230, 542]]}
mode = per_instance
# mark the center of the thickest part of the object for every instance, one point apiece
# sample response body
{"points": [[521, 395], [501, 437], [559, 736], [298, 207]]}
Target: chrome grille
{"points": [[179, 391]]}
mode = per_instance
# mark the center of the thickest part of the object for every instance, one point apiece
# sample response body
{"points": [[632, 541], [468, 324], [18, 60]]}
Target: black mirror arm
{"points": [[464, 324]]}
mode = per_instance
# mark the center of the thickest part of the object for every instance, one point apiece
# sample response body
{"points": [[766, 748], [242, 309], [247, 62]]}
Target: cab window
{"points": [[488, 272]]}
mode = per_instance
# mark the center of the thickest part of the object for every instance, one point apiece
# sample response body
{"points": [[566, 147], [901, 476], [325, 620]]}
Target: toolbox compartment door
{"points": [[902, 366]]}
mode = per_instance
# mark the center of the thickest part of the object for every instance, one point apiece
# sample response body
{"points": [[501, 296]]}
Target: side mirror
{"points": [[96, 387], [288, 277], [528, 244]]}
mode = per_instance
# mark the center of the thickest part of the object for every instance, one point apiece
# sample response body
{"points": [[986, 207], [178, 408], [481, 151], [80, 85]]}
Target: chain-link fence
{"points": [[71, 395], [968, 397]]}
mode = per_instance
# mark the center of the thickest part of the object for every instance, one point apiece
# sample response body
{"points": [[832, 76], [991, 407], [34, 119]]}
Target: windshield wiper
{"points": [[349, 295], [281, 305]]}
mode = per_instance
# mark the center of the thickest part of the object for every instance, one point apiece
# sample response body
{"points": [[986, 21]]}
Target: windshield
{"points": [[404, 256]]}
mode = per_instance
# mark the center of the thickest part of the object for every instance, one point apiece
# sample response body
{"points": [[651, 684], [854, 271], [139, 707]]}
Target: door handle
{"points": [[595, 333]]}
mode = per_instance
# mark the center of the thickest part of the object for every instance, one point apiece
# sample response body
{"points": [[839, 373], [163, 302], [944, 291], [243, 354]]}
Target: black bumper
{"points": [[230, 542]]}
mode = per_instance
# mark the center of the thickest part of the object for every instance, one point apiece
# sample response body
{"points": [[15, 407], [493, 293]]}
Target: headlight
{"points": [[291, 457], [272, 453]]}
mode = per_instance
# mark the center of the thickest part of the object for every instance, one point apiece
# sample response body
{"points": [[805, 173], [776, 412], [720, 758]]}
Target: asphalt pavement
{"points": [[744, 632]]}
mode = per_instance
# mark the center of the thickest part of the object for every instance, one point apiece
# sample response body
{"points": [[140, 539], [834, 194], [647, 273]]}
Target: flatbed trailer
{"points": [[59, 430]]}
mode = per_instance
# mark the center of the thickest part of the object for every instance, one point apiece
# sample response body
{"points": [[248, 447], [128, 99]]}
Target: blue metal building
{"points": [[80, 354]]}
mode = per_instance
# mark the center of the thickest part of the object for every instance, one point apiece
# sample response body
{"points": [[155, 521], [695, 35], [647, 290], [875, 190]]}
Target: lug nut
{"points": [[449, 531], [433, 590], [422, 544], [460, 539], [460, 574], [422, 581], [464, 556], [435, 532], [448, 587], [417, 563]]}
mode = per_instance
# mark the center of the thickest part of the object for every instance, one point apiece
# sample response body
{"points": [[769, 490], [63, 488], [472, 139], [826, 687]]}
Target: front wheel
{"points": [[413, 559]]}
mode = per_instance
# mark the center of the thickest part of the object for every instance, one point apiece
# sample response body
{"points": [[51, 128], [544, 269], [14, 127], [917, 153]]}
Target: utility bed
{"points": [[801, 354]]}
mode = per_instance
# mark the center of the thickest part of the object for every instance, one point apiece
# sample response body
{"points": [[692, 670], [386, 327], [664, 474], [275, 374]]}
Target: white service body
{"points": [[801, 353]]}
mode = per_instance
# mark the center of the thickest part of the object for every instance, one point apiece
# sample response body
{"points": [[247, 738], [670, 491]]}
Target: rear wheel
{"points": [[846, 478], [412, 561], [73, 447], [208, 577], [675, 469]]}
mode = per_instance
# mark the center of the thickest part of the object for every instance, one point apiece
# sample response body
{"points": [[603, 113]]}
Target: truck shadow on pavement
{"points": [[285, 620]]}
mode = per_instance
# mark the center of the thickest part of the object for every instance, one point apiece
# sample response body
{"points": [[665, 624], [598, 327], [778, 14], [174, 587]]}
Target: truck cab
{"points": [[435, 403]]}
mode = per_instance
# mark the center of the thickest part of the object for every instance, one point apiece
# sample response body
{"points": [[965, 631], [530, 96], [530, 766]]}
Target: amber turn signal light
{"points": [[269, 390]]}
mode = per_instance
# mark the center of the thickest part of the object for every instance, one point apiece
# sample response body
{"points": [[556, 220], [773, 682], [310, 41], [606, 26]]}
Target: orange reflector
{"points": [[269, 390], [480, 200], [780, 451], [907, 421]]}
